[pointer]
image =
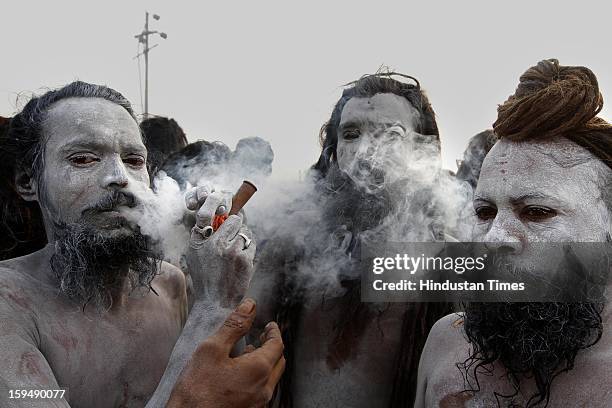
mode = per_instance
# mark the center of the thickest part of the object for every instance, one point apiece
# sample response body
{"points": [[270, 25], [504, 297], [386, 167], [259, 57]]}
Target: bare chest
{"points": [[587, 385], [346, 357], [110, 360]]}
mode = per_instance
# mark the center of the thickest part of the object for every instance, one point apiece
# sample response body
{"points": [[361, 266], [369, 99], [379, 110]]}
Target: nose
{"points": [[505, 235], [367, 148], [115, 175]]}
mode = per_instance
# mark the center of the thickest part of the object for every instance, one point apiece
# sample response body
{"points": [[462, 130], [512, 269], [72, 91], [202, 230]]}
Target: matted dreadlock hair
{"points": [[550, 101]]}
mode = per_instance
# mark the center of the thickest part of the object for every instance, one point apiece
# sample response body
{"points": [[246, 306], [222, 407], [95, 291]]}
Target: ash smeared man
{"points": [[373, 181], [547, 179], [95, 312]]}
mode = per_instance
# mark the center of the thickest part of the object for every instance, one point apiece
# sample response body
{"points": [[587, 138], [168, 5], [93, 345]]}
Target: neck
{"points": [[119, 293]]}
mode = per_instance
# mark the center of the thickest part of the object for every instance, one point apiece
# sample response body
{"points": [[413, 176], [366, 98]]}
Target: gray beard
{"points": [[89, 266]]}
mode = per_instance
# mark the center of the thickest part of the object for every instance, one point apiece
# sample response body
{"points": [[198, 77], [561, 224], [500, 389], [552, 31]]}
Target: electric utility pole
{"points": [[143, 38]]}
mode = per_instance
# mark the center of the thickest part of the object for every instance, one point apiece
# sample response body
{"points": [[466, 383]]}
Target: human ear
{"points": [[25, 185]]}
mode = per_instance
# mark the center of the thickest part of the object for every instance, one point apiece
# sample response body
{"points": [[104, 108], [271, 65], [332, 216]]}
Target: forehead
{"points": [[556, 167], [381, 108], [89, 120]]}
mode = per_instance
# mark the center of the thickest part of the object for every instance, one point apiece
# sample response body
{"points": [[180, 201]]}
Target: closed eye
{"points": [[536, 213], [83, 159], [350, 134], [135, 161], [486, 213], [423, 139], [395, 132]]}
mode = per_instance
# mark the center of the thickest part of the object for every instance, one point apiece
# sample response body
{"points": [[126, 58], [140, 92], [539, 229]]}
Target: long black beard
{"points": [[385, 215], [89, 266], [537, 340]]}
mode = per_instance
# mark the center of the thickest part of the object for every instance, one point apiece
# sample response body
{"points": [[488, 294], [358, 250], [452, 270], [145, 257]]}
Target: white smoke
{"points": [[159, 214], [293, 215]]}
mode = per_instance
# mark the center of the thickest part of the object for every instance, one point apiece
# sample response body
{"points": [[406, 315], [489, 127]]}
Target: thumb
{"points": [[236, 326]]}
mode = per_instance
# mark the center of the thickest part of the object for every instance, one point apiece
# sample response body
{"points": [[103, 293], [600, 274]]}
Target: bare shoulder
{"points": [[437, 368], [18, 304], [17, 275], [9, 271], [28, 270], [11, 268], [10, 278], [446, 337], [171, 280], [448, 329]]}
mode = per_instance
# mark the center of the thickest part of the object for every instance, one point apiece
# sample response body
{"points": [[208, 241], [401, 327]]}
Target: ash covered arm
{"points": [[201, 371], [204, 320], [203, 374], [22, 365]]}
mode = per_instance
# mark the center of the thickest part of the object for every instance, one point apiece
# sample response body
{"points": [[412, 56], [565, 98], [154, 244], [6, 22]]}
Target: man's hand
{"points": [[213, 379], [220, 263]]}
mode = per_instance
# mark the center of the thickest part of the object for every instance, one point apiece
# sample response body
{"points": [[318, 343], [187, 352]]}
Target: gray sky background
{"points": [[274, 69]]}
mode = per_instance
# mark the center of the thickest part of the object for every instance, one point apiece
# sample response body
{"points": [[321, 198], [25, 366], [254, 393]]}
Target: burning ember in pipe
{"points": [[242, 196]]}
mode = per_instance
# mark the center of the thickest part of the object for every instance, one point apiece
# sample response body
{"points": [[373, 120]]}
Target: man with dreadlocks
{"points": [[95, 311], [372, 182], [547, 179]]}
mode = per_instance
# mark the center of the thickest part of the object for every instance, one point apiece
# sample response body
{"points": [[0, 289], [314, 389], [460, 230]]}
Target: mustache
{"points": [[111, 201]]}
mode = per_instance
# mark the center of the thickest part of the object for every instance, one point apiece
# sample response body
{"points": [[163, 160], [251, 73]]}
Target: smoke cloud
{"points": [[315, 221]]}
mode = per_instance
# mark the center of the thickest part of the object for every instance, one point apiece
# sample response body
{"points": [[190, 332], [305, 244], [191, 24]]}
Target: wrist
{"points": [[214, 298], [211, 307]]}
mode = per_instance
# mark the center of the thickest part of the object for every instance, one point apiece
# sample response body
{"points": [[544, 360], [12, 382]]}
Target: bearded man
{"points": [[548, 179], [94, 312], [373, 180]]}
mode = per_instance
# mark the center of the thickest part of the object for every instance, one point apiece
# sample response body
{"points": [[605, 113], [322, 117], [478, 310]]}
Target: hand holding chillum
{"points": [[220, 261]]}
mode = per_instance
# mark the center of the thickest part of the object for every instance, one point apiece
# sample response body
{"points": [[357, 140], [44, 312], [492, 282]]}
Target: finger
{"points": [[229, 229], [243, 239], [242, 248], [248, 349], [250, 251], [202, 192], [236, 326], [191, 199], [196, 196], [208, 210], [275, 375], [272, 345]]}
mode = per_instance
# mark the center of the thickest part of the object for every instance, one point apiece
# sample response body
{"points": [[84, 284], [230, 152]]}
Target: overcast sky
{"points": [[274, 69]]}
